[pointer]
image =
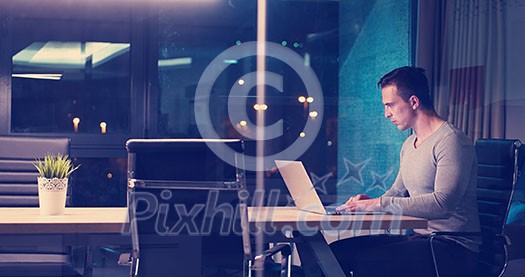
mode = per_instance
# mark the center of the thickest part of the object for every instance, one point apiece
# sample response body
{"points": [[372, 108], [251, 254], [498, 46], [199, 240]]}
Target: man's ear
{"points": [[414, 102]]}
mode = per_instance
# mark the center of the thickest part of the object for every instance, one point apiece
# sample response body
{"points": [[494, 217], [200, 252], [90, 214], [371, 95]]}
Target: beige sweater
{"points": [[437, 181]]}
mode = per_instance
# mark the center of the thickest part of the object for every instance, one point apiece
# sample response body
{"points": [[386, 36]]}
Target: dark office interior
{"points": [[103, 72]]}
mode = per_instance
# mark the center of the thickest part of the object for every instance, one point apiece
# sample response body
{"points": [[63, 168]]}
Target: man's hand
{"points": [[361, 203], [357, 198]]}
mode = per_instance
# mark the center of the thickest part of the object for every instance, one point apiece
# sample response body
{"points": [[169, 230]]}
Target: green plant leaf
{"points": [[55, 166]]}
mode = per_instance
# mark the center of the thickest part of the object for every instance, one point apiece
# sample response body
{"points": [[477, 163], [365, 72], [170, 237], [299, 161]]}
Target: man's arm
{"points": [[398, 188], [454, 160], [363, 202]]}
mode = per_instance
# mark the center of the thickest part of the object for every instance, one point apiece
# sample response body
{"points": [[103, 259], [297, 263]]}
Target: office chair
{"points": [[173, 180], [18, 188], [499, 163], [195, 195]]}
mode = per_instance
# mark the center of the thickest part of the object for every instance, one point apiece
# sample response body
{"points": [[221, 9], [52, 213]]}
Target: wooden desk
{"points": [[283, 217], [78, 226], [25, 227], [307, 227], [74, 221]]}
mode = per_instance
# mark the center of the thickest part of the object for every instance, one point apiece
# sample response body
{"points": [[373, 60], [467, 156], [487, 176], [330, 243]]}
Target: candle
{"points": [[103, 126], [76, 121]]}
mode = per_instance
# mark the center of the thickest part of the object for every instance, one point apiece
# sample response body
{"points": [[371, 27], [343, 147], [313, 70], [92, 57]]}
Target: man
{"points": [[436, 180]]}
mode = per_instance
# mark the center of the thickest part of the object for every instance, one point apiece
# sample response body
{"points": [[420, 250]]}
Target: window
{"points": [[101, 73], [70, 78]]}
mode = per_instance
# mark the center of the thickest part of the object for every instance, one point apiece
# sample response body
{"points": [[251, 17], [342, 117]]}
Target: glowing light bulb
{"points": [[103, 126], [76, 121], [260, 107]]}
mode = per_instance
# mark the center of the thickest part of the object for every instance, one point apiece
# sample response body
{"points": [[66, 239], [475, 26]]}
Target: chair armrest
{"points": [[471, 234], [285, 250], [462, 234], [260, 259], [517, 247]]}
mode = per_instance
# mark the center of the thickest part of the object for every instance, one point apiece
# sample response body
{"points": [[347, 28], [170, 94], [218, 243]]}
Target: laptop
{"points": [[303, 192]]}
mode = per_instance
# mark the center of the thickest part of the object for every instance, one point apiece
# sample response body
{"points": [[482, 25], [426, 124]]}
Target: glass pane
{"points": [[190, 37], [69, 79], [343, 42], [99, 182], [374, 39]]}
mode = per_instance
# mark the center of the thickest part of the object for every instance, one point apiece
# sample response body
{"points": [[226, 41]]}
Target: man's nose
{"points": [[388, 114]]}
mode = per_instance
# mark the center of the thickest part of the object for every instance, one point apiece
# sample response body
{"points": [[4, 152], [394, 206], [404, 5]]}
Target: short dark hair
{"points": [[409, 81]]}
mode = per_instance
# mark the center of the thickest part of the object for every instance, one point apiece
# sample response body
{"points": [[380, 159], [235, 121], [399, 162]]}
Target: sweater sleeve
{"points": [[398, 188], [454, 158]]}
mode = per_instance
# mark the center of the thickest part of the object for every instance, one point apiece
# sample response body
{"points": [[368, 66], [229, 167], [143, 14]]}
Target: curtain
{"points": [[461, 44]]}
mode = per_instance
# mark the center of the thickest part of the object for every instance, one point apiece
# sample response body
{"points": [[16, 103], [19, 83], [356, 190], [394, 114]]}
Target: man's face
{"points": [[399, 111]]}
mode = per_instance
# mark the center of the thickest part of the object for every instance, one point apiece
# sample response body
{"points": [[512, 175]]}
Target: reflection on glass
{"points": [[190, 39], [99, 182], [56, 83], [337, 39], [63, 56]]}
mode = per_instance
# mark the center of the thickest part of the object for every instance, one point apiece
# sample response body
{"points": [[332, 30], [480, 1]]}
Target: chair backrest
{"points": [[182, 194], [183, 160], [18, 176], [19, 188], [498, 169]]}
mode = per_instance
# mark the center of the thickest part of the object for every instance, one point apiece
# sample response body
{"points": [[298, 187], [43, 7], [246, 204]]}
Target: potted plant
{"points": [[52, 183]]}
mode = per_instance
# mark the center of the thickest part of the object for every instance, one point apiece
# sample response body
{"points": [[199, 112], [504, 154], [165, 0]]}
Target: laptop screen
{"points": [[300, 186]]}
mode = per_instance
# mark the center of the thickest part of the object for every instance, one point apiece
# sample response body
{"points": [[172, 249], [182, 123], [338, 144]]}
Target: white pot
{"points": [[52, 195]]}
